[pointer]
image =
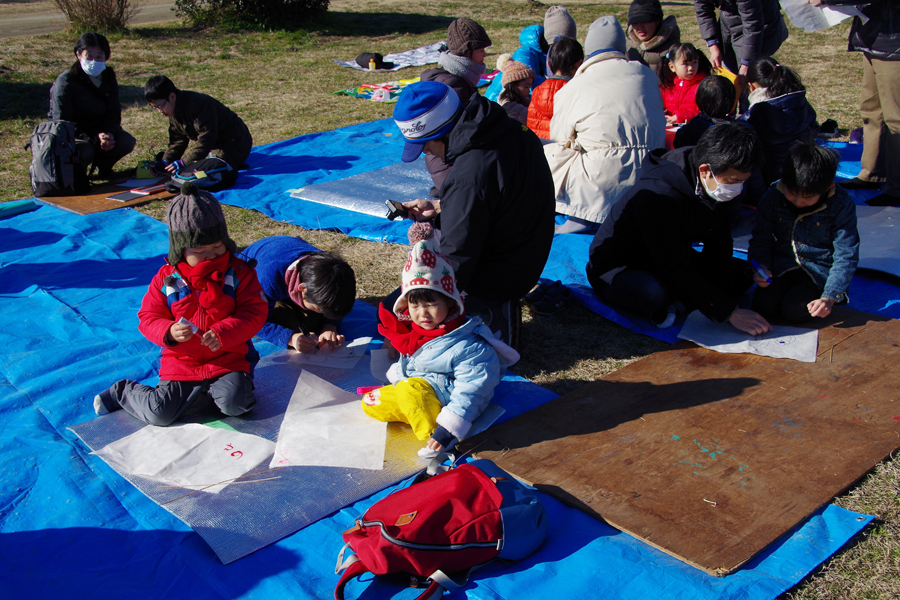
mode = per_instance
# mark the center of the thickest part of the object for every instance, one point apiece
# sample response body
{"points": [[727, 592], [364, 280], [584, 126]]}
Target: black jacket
{"points": [[653, 226], [781, 122], [212, 125], [497, 204], [94, 110], [880, 36]]}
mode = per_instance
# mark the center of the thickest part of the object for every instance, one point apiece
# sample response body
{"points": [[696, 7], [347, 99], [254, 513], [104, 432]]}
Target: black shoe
{"points": [[828, 129], [884, 200], [860, 184]]}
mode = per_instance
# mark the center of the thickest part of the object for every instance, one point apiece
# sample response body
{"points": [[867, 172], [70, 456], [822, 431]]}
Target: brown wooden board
{"points": [[96, 201], [708, 456]]}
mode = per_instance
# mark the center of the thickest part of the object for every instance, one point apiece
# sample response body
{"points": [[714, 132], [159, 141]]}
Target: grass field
{"points": [[279, 83]]}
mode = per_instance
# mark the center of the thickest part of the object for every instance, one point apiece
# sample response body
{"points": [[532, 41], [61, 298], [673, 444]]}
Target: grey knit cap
{"points": [[558, 22], [195, 219], [465, 35], [604, 34]]}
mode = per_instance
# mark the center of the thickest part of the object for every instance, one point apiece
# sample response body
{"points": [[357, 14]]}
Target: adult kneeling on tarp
{"points": [[496, 209], [642, 257]]}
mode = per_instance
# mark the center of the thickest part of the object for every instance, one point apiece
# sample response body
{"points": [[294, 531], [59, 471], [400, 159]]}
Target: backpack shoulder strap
{"points": [[355, 569]]}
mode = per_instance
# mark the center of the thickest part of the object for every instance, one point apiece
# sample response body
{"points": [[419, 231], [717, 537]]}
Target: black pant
{"points": [[89, 153], [787, 297]]}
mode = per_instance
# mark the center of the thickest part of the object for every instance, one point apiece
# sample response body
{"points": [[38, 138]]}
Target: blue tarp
{"points": [[69, 525]]}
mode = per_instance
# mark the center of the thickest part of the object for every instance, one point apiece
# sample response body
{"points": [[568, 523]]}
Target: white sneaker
{"points": [[671, 315]]}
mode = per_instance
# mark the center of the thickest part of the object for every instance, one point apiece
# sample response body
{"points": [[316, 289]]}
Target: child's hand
{"points": [[671, 119], [329, 341], [434, 445], [820, 307], [302, 343], [211, 341], [181, 332], [759, 279]]}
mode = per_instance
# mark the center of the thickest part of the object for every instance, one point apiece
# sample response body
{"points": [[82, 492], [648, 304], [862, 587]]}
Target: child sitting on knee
{"points": [[805, 239], [449, 364], [308, 292], [202, 308]]}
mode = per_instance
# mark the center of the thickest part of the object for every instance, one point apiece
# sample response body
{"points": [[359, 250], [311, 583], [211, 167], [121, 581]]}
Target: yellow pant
{"points": [[410, 401]]}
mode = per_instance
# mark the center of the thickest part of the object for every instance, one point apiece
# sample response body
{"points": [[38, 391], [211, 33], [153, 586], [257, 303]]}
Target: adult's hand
{"points": [[423, 210], [715, 56], [749, 321], [815, 2], [820, 307]]}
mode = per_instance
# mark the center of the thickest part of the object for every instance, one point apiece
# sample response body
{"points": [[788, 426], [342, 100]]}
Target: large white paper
{"points": [[344, 357], [188, 455], [813, 18], [782, 342], [325, 426]]}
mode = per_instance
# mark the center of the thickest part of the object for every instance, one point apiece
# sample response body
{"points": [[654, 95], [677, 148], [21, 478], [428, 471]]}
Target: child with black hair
{"points": [[202, 308], [517, 80], [563, 59], [308, 293], [805, 239], [449, 363], [779, 112], [715, 100], [687, 67]]}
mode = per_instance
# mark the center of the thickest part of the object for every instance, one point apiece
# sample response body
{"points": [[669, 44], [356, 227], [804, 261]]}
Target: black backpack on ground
{"points": [[54, 170]]}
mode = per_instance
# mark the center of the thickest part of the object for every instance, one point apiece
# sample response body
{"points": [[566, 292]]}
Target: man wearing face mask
{"points": [[642, 257], [87, 94]]}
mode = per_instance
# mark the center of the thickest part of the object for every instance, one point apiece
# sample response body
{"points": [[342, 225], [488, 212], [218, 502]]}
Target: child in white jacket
{"points": [[449, 364]]}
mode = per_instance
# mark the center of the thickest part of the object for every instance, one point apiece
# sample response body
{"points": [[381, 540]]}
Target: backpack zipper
{"points": [[498, 544]]}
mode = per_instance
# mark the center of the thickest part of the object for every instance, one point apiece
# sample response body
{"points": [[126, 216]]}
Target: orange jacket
{"points": [[540, 111]]}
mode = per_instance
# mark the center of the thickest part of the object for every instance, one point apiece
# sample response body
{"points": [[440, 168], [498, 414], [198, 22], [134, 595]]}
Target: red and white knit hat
{"points": [[426, 269]]}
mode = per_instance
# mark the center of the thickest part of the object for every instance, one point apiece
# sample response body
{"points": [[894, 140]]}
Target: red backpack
{"points": [[450, 523]]}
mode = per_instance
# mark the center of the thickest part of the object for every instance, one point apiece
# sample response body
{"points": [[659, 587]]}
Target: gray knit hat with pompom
{"points": [[195, 219]]}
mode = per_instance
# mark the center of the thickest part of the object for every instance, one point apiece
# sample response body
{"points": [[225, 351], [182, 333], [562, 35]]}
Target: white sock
{"points": [[99, 407], [427, 452]]}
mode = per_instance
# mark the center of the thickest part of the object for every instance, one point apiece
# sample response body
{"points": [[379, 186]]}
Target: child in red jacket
{"points": [[678, 84], [202, 308], [563, 59]]}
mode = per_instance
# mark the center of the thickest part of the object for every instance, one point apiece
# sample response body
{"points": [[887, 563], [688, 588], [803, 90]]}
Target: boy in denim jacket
{"points": [[805, 239]]}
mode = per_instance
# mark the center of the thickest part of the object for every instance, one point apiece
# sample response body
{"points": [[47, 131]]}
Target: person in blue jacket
{"points": [[532, 52], [308, 292], [449, 363], [805, 239]]}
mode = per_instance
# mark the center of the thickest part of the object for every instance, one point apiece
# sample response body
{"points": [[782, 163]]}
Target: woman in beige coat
{"points": [[605, 121]]}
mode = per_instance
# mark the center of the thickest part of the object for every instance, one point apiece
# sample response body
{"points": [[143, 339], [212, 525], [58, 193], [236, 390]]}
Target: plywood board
{"points": [[711, 457], [96, 201]]}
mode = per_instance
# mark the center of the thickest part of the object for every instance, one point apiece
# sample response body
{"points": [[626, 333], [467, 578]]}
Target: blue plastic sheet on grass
{"points": [[70, 287]]}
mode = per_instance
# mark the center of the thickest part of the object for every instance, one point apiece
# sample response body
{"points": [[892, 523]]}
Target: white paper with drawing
{"points": [[187, 454], [325, 426], [782, 342], [344, 357]]}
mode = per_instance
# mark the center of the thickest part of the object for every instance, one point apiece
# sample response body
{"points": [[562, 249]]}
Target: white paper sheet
{"points": [[783, 342], [188, 455], [813, 18], [325, 426], [344, 357]]}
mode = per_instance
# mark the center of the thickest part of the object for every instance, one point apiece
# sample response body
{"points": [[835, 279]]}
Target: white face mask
{"points": [[92, 67], [724, 191]]}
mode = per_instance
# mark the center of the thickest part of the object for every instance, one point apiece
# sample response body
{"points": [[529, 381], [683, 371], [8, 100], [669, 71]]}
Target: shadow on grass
{"points": [[379, 24], [24, 100]]}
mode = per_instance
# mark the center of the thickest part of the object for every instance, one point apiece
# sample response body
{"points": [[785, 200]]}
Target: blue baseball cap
{"points": [[425, 111]]}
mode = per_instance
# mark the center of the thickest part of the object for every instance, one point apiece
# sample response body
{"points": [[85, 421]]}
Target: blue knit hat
{"points": [[426, 110]]}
